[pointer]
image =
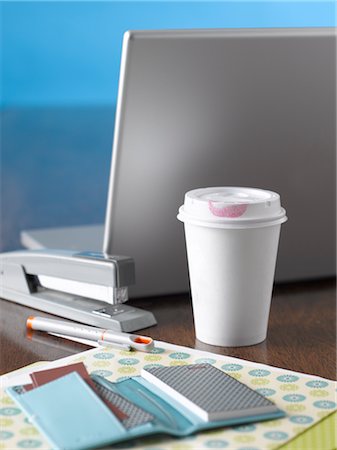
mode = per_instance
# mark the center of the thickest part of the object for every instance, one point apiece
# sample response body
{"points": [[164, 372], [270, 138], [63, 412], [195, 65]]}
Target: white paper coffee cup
{"points": [[232, 236]]}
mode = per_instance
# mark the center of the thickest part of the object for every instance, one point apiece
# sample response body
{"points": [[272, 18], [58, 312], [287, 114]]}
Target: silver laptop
{"points": [[201, 108]]}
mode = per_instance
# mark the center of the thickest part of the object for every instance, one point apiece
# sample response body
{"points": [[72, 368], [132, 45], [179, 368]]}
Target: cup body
{"points": [[232, 237], [231, 275]]}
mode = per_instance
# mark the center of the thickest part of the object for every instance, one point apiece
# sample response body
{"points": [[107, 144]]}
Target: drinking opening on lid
{"points": [[233, 196]]}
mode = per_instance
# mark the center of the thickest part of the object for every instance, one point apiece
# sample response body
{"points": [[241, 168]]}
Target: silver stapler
{"points": [[87, 287]]}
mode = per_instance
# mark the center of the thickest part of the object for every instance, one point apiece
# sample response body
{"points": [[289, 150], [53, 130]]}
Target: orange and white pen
{"points": [[100, 335]]}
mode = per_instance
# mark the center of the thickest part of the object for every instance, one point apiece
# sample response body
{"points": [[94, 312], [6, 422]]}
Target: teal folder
{"points": [[73, 416]]}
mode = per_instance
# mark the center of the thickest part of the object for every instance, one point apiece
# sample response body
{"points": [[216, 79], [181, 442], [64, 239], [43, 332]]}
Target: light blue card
{"points": [[70, 415]]}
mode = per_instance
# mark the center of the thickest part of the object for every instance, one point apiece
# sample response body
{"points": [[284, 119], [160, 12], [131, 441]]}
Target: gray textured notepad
{"points": [[209, 392]]}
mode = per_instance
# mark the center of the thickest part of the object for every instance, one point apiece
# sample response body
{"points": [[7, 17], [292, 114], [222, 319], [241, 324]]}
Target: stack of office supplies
{"points": [[195, 397], [306, 400]]}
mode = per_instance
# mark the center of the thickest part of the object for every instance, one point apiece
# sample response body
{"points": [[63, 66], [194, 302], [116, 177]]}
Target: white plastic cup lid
{"points": [[232, 207]]}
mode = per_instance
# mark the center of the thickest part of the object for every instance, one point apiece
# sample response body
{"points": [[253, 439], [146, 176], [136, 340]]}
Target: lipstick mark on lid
{"points": [[227, 211]]}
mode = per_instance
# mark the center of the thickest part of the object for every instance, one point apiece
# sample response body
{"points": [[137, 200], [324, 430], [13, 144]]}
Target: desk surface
{"points": [[301, 336]]}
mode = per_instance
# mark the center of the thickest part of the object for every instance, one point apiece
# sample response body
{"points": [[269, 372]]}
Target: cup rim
{"points": [[229, 223]]}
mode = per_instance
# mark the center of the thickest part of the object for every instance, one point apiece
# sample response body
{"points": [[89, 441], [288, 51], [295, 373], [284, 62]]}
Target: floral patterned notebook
{"points": [[306, 400]]}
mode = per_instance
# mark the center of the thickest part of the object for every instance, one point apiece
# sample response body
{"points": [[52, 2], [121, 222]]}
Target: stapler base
{"points": [[67, 283], [119, 317]]}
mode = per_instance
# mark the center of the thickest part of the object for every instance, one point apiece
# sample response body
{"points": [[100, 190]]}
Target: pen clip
{"points": [[137, 342], [141, 343]]}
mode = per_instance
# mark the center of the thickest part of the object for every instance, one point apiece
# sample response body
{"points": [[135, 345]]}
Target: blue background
{"points": [[60, 66], [66, 53]]}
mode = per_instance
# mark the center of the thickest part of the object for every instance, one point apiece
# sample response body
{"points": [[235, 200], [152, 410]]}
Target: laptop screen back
{"points": [[200, 108]]}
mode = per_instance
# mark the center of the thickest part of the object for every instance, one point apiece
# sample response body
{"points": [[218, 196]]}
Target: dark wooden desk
{"points": [[302, 331]]}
